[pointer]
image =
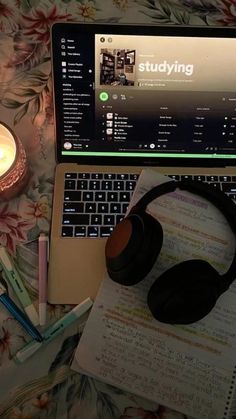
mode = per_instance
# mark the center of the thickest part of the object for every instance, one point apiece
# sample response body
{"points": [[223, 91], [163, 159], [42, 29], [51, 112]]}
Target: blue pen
{"points": [[18, 314]]}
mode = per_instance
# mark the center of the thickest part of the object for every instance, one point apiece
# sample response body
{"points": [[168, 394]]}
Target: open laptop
{"points": [[128, 97]]}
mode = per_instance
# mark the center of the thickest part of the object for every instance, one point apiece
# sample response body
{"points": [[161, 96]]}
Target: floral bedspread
{"points": [[45, 386]]}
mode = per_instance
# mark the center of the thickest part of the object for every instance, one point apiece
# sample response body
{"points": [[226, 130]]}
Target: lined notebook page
{"points": [[189, 368]]}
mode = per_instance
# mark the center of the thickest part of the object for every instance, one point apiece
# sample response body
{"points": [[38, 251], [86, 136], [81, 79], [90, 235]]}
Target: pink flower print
{"points": [[36, 212], [46, 114], [87, 10], [40, 21], [42, 402], [139, 413], [12, 337], [7, 18], [227, 9], [56, 311], [19, 414], [13, 229], [161, 413], [38, 407], [121, 4]]}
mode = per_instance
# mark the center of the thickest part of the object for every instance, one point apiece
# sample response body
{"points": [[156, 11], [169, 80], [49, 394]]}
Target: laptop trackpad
{"points": [[81, 273]]}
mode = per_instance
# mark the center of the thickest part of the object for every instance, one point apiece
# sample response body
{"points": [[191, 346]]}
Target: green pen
{"points": [[14, 280], [54, 330]]}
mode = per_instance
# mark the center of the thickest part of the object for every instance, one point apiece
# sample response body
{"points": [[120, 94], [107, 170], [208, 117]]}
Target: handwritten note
{"points": [[190, 368]]}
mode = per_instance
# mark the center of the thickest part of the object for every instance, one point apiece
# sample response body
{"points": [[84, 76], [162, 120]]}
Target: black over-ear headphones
{"points": [[187, 291]]}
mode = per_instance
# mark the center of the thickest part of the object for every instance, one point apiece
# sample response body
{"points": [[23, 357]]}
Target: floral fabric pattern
{"points": [[45, 386]]}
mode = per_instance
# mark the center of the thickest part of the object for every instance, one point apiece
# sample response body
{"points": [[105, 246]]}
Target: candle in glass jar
{"points": [[7, 151], [14, 173]]}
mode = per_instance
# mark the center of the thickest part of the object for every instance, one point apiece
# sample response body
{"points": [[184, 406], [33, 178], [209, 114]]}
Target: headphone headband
{"points": [[212, 194]]}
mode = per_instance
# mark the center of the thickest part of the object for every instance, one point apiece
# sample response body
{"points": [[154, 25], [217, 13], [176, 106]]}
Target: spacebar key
{"points": [[75, 219]]}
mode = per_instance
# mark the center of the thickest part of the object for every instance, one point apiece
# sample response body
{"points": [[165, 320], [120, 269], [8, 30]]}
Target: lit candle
{"points": [[14, 172], [7, 150]]}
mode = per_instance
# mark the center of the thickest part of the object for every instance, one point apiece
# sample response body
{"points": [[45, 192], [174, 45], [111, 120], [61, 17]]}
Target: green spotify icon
{"points": [[103, 96]]}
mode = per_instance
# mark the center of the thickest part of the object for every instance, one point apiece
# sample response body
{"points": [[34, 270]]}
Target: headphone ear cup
{"points": [[185, 293], [133, 247]]}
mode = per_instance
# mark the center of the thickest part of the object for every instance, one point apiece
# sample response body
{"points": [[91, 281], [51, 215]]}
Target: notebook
{"points": [[128, 97], [188, 367]]}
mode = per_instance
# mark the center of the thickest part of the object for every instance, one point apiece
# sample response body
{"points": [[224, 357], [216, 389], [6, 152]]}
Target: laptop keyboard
{"points": [[95, 202]]}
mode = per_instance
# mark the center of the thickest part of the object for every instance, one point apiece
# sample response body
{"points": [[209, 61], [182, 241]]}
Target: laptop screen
{"points": [[144, 93]]}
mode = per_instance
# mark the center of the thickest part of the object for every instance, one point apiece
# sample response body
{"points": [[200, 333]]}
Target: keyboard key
{"points": [[84, 175], [73, 207], [82, 184], [112, 196], [100, 196], [72, 196], [119, 218], [70, 175], [67, 231], [103, 208], [90, 207], [133, 177], [70, 184], [115, 208], [106, 231], [88, 196], [130, 185], [80, 231], [225, 178], [93, 231], [96, 219], [106, 185], [211, 178], [109, 176], [109, 220], [124, 197], [122, 176], [215, 184], [94, 185], [118, 185], [201, 178], [75, 219], [97, 176], [124, 208]]}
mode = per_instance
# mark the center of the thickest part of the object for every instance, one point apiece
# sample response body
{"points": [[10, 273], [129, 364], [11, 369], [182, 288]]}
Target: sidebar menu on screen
{"points": [[75, 100]]}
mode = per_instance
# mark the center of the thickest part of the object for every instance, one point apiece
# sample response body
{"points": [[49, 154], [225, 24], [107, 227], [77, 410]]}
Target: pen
{"points": [[19, 315], [43, 252], [51, 332], [15, 281]]}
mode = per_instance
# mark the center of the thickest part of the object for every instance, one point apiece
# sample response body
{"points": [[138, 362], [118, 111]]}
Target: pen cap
{"points": [[27, 351], [32, 314], [5, 258], [44, 243]]}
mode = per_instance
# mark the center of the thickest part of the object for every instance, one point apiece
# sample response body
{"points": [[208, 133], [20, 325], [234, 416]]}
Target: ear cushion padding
{"points": [[136, 258], [184, 293]]}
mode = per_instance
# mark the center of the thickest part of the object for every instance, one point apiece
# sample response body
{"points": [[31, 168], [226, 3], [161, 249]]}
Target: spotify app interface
{"points": [[139, 95]]}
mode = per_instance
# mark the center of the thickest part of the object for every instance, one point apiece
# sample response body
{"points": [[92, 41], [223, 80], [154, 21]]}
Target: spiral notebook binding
{"points": [[230, 408]]}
